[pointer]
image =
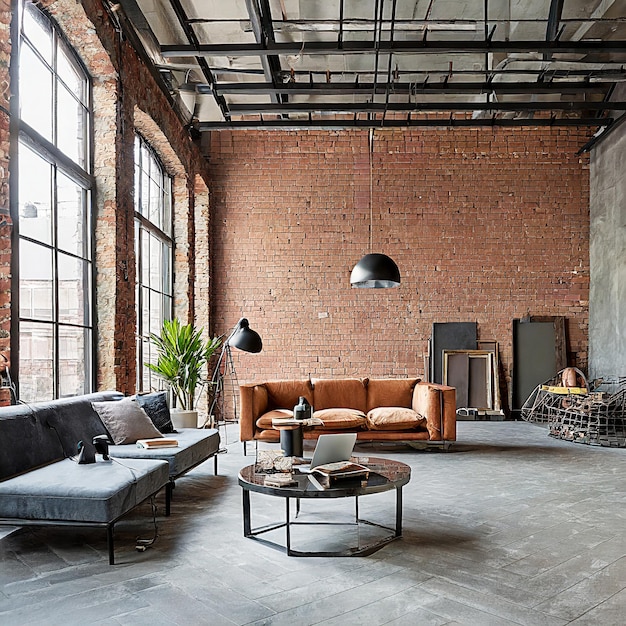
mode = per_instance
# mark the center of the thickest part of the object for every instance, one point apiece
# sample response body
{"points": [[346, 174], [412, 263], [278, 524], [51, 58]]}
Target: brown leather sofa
{"points": [[376, 409]]}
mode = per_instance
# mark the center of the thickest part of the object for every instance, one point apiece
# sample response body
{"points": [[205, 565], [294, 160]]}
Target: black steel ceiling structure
{"points": [[294, 64]]}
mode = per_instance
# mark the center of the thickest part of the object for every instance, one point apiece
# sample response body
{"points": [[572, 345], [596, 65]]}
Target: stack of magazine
{"points": [[333, 474]]}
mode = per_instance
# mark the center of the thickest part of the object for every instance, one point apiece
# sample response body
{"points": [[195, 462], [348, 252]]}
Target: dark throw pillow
{"points": [[155, 405]]}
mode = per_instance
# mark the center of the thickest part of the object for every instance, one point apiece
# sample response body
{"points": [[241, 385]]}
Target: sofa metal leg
{"points": [[169, 488], [245, 448], [110, 544], [215, 465]]}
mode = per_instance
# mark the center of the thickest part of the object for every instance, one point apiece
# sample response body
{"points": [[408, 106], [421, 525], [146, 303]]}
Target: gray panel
{"points": [[534, 358], [479, 376], [457, 377], [449, 336]]}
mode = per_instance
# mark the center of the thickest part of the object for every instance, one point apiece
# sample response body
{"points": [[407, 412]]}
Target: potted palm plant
{"points": [[182, 355]]}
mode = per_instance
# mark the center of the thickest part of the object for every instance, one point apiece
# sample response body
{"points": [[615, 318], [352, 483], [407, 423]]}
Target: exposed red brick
{"points": [[485, 226]]}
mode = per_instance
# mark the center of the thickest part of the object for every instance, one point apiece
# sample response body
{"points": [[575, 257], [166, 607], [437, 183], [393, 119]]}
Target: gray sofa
{"points": [[42, 484]]}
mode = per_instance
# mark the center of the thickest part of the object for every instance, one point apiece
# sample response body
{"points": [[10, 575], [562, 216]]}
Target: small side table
{"points": [[291, 439]]}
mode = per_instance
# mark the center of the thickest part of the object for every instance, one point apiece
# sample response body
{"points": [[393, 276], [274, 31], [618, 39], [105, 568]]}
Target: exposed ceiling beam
{"points": [[194, 43], [354, 88], [307, 124], [552, 27], [554, 18], [395, 47], [356, 24], [262, 29], [380, 107], [603, 133]]}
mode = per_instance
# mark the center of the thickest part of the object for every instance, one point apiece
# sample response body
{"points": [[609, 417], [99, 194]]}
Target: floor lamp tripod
{"points": [[245, 339]]}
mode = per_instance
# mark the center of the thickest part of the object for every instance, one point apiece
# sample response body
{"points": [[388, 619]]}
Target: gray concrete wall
{"points": [[607, 297]]}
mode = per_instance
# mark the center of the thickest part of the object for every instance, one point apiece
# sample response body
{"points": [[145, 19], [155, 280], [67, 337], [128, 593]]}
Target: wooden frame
{"points": [[475, 389]]}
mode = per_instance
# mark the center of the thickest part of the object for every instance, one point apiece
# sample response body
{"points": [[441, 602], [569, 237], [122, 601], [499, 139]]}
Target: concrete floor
{"points": [[510, 527]]}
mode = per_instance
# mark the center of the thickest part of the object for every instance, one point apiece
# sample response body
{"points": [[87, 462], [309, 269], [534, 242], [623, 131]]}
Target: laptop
{"points": [[331, 449]]}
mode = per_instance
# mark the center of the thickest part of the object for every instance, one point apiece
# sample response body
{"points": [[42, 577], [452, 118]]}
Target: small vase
{"points": [[303, 410]]}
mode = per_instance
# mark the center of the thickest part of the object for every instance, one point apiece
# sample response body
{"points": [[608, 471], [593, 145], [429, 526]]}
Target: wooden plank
{"points": [[493, 347]]}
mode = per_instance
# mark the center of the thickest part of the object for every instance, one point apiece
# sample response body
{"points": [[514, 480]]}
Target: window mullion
{"points": [[51, 153], [55, 283], [55, 90]]}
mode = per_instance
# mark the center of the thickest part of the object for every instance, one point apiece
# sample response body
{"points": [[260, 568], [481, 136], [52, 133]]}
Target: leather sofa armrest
{"points": [[253, 403], [437, 403]]}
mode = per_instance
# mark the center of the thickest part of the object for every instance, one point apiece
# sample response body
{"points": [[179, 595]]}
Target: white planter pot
{"points": [[184, 419]]}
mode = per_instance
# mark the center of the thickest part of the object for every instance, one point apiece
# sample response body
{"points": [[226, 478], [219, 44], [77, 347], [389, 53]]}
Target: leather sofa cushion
{"points": [[338, 418], [346, 393], [390, 392], [394, 418], [265, 421], [284, 394]]}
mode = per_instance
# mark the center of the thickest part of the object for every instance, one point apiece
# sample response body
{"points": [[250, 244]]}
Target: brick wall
{"points": [[5, 218], [125, 97], [484, 225]]}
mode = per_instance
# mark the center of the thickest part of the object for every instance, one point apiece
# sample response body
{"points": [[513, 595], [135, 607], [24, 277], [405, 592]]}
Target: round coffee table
{"points": [[384, 475]]}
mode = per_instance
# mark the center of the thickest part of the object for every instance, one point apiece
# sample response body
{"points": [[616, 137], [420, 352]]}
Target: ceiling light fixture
{"points": [[374, 271]]}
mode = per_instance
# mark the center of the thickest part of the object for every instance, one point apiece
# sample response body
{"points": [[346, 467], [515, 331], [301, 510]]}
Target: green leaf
{"points": [[182, 355]]}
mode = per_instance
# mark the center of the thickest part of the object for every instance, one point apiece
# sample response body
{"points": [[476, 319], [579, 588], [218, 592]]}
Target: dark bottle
{"points": [[303, 410]]}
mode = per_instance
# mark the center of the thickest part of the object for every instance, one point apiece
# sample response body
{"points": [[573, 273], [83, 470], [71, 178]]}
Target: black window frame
{"points": [[25, 137], [145, 227]]}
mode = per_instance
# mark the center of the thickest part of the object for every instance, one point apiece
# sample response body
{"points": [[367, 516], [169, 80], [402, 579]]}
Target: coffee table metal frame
{"points": [[385, 475]]}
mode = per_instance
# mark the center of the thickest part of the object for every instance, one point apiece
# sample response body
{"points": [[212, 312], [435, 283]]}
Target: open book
{"points": [[277, 422], [161, 442], [331, 473]]}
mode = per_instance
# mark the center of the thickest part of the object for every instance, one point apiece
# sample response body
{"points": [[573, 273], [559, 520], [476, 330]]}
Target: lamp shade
{"points": [[375, 271], [244, 338]]}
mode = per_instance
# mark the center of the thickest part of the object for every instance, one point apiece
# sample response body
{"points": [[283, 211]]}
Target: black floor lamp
{"points": [[245, 339]]}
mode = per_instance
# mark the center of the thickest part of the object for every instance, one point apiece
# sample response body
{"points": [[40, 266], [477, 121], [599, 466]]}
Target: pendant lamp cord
{"points": [[370, 154]]}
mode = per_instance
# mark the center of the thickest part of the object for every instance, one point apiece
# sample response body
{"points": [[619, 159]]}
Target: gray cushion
{"points": [[194, 446], [126, 421], [43, 432], [66, 491]]}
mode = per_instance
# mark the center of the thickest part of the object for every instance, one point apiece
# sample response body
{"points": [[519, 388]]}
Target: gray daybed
{"points": [[42, 484]]}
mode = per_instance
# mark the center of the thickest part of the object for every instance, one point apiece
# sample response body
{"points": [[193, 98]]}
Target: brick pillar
{"points": [[5, 217]]}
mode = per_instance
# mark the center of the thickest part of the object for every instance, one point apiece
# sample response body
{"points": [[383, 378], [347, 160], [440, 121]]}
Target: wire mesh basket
{"points": [[592, 414]]}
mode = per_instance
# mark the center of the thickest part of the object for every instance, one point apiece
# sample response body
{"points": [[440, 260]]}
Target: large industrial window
{"points": [[54, 214], [153, 250]]}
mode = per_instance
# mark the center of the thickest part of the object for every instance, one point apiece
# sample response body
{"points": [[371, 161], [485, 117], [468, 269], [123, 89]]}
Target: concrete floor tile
{"points": [[491, 603], [588, 593], [509, 527], [611, 612]]}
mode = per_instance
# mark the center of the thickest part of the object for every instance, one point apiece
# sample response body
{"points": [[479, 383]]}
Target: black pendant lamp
{"points": [[374, 271]]}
